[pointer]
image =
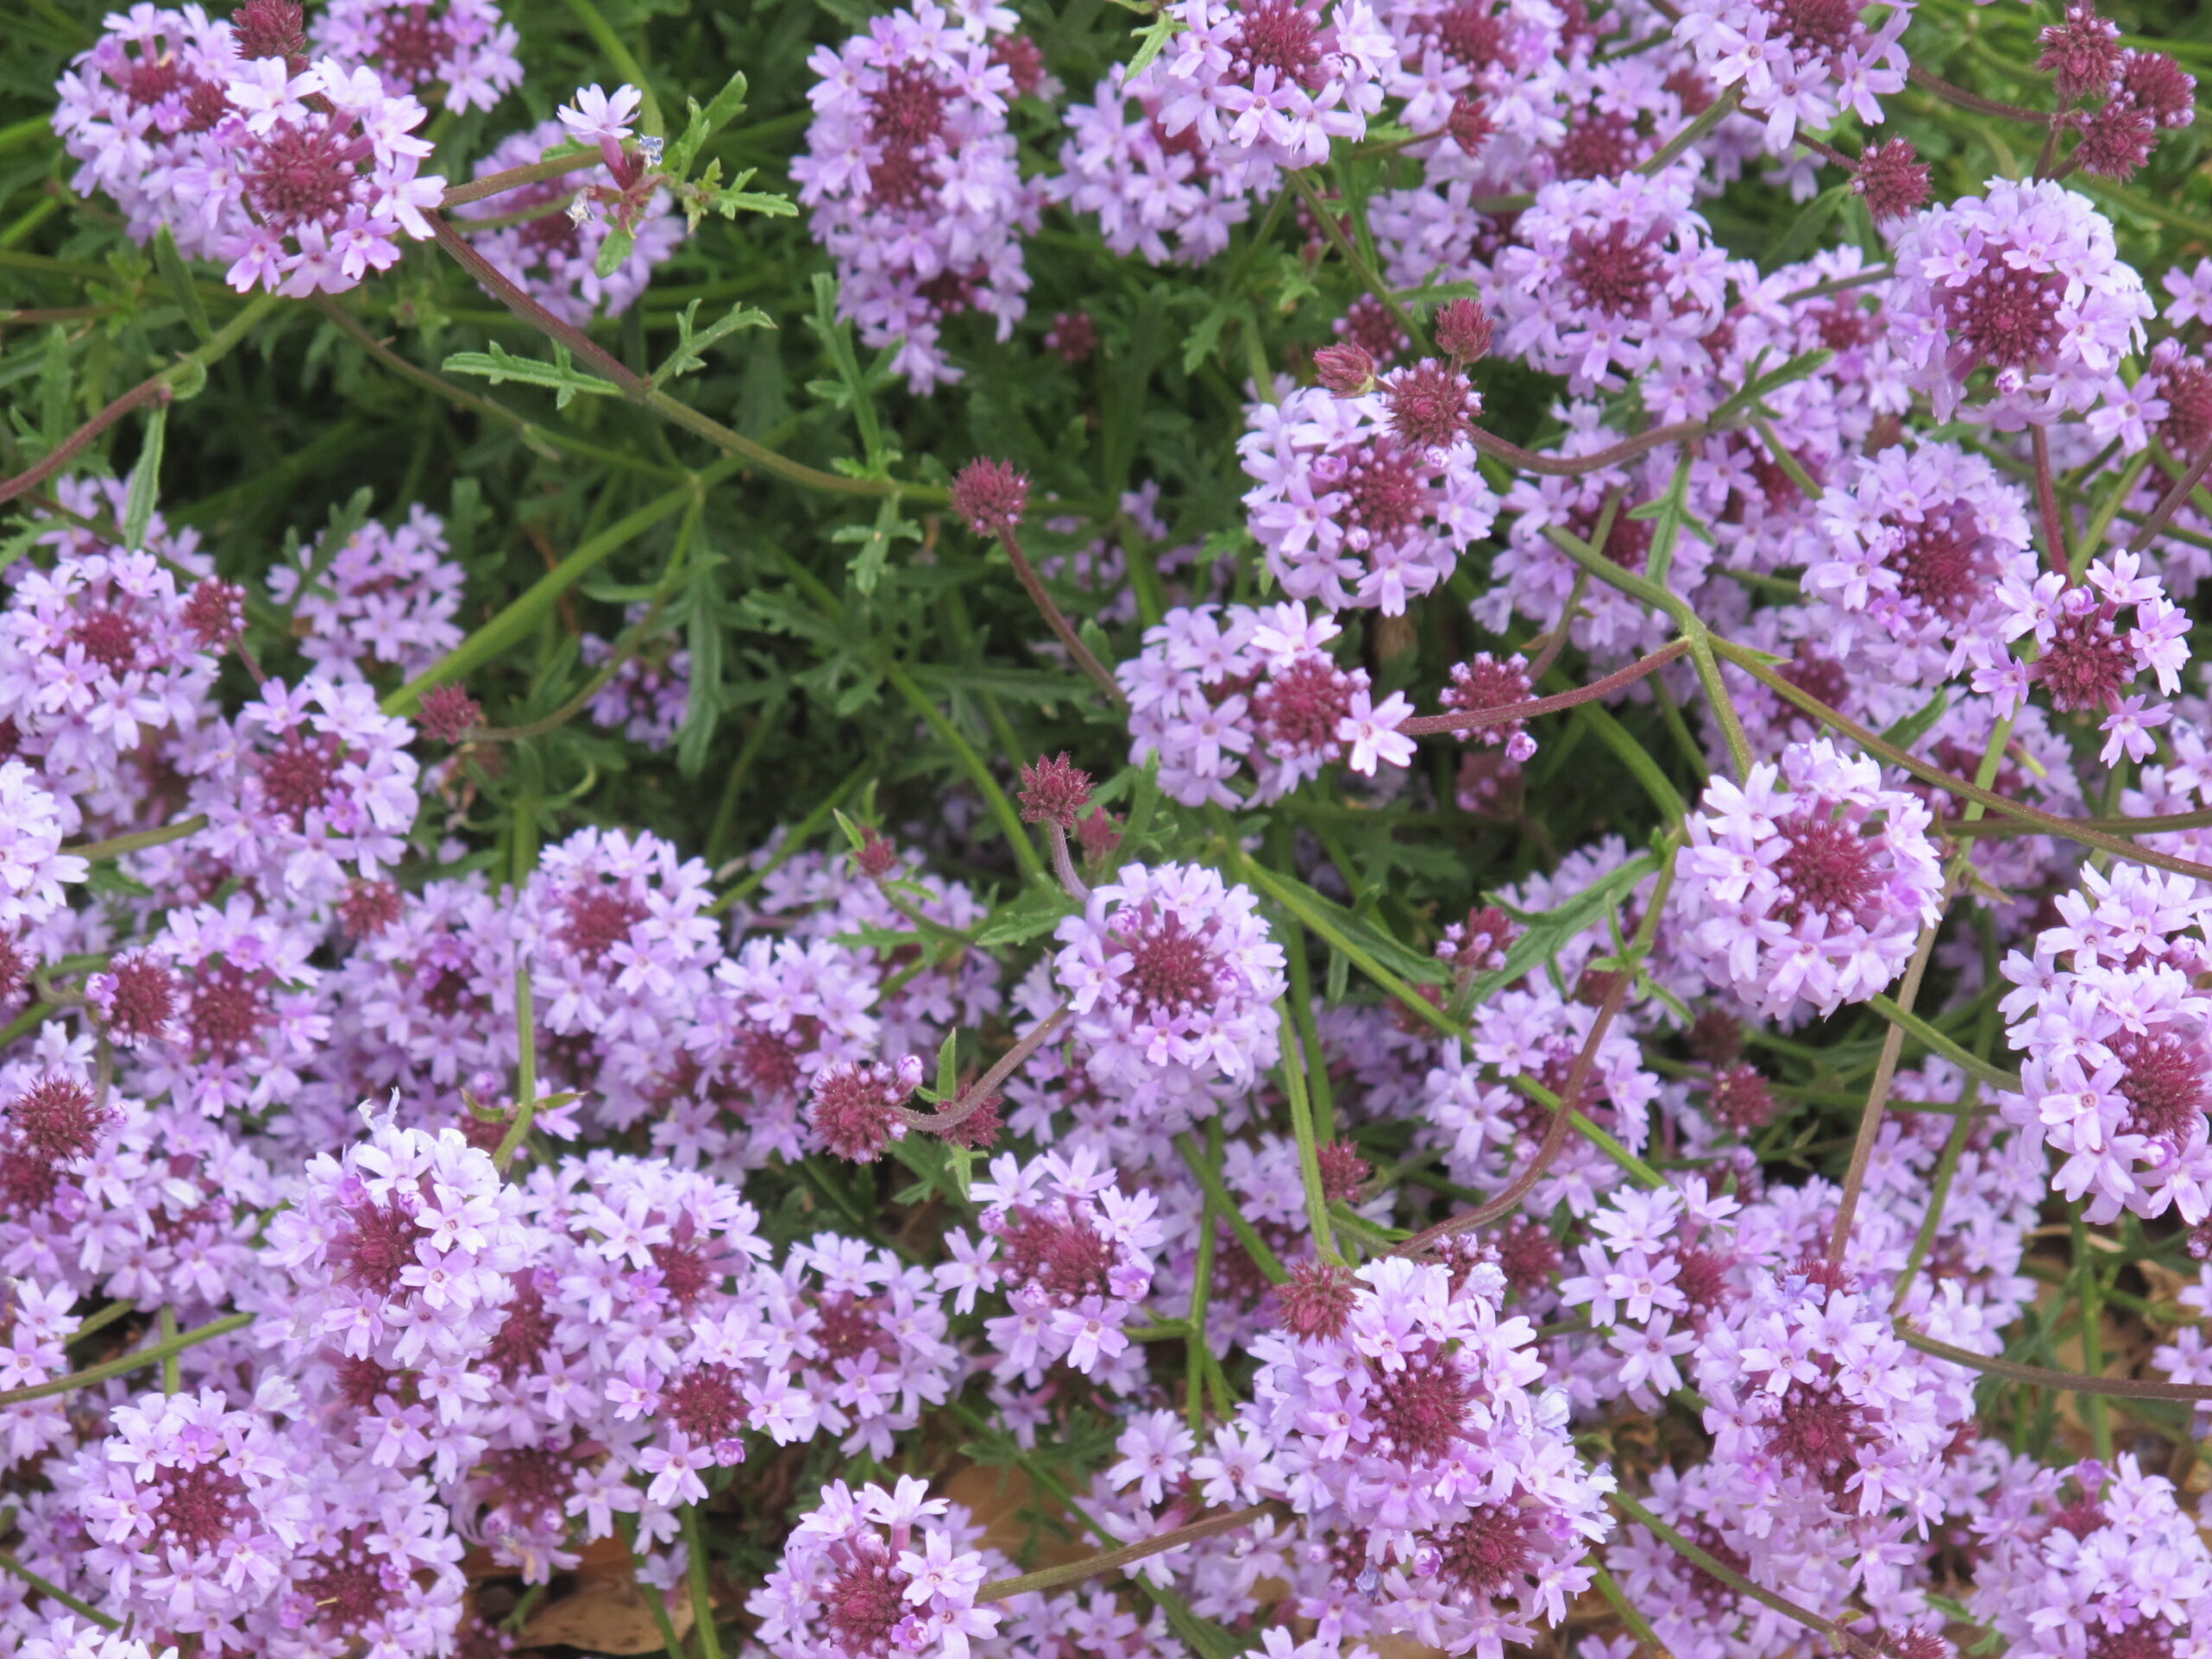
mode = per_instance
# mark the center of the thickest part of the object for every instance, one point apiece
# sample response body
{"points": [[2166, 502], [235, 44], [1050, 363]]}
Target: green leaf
{"points": [[1914, 726], [1022, 684], [1153, 39], [145, 480], [1668, 516], [1546, 931], [500, 366], [724, 108], [1036, 912], [1805, 229], [851, 390], [1312, 908], [178, 277], [1199, 344], [612, 252], [691, 347], [868, 565], [711, 195]]}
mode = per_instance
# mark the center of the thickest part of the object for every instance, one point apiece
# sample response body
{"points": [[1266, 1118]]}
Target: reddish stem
{"points": [[1528, 460], [1974, 101], [2054, 526], [1433, 724], [1033, 585], [62, 452], [2169, 504]]}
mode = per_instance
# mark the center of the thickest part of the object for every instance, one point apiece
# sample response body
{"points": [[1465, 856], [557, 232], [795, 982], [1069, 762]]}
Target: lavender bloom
{"points": [[1272, 80], [1810, 896], [2025, 284], [385, 598], [911, 178], [311, 178], [462, 45], [1351, 511], [874, 1572], [1173, 980], [399, 1250]]}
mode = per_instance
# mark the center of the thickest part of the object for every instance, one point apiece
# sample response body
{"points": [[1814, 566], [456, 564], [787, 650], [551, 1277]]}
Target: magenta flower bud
{"points": [[990, 495], [1463, 332], [1346, 369]]}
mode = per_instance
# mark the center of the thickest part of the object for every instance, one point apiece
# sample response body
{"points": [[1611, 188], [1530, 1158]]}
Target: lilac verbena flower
{"points": [[2025, 283], [32, 867], [1174, 979], [875, 1573], [1819, 1412], [2085, 661], [647, 696], [2118, 1040], [1218, 689], [463, 45], [381, 1570], [1410, 1429], [1351, 511], [101, 652], [1612, 279], [309, 786], [554, 257], [1799, 65], [1168, 198], [2096, 1555], [141, 104], [1919, 541], [312, 180], [1806, 887], [399, 1250], [385, 600], [1069, 1249], [909, 174], [1274, 81], [863, 1339], [194, 1507]]}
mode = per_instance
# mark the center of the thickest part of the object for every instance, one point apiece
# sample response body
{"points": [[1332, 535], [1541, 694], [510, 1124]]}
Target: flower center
{"points": [[1488, 1552], [225, 1014], [1420, 1410], [347, 1585], [1296, 711], [1615, 270], [706, 1405], [197, 1508], [906, 118], [1470, 36], [1278, 35], [303, 174], [412, 46], [2086, 663], [2164, 1085], [596, 918], [1828, 867], [379, 1246], [1382, 486], [1172, 970], [1065, 1257], [2004, 318], [864, 1605], [1941, 560], [297, 774]]}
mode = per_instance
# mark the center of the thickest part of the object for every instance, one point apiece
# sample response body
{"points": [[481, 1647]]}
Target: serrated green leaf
{"points": [[691, 347], [145, 480], [1153, 39], [500, 366], [868, 565], [724, 108]]}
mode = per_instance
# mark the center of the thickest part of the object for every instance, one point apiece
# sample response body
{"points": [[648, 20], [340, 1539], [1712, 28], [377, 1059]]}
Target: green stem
{"points": [[1265, 1258], [1335, 234], [1113, 1560], [138, 841], [1301, 1126], [1713, 114], [2119, 1388], [702, 1601], [522, 615], [130, 1363], [9, 1565], [1024, 850]]}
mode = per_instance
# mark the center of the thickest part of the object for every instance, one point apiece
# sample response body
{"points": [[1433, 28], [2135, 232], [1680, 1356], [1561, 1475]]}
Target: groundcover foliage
{"points": [[1146, 828]]}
